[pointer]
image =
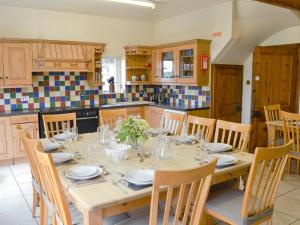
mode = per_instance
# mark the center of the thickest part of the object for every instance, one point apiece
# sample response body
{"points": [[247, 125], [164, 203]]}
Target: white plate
{"points": [[140, 177], [225, 160], [61, 157], [218, 147], [60, 137], [50, 146], [83, 172]]}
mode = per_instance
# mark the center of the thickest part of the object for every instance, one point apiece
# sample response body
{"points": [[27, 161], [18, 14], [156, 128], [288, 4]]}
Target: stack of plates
{"points": [[185, 139], [51, 146], [83, 172], [62, 157], [140, 177], [218, 147], [225, 160]]}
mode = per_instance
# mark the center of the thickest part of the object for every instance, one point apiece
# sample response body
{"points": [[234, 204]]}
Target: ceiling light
{"points": [[145, 3]]}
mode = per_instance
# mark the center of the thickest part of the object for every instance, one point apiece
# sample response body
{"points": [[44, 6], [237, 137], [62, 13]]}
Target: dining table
{"points": [[109, 195]]}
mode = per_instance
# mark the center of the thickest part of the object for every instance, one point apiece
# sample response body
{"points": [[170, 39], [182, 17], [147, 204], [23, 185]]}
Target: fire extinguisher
{"points": [[204, 62]]}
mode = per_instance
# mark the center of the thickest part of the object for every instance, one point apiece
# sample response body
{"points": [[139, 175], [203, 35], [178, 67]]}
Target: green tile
{"points": [[12, 95], [19, 106], [52, 105], [62, 83]]}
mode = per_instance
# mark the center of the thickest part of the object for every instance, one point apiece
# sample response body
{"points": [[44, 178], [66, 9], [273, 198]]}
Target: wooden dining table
{"points": [[109, 196]]}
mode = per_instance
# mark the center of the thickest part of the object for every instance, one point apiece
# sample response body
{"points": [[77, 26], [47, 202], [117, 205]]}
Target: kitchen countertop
{"points": [[115, 105]]}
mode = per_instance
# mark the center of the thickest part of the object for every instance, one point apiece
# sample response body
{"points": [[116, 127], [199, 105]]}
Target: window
{"points": [[111, 67]]}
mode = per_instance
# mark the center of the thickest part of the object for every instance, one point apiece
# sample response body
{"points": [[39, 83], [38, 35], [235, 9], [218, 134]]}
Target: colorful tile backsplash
{"points": [[65, 89]]}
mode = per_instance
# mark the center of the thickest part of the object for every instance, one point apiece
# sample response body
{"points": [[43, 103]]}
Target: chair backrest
{"points": [[291, 128], [110, 116], [196, 124], [264, 177], [272, 112], [29, 144], [189, 189], [51, 186], [172, 121], [235, 134], [58, 123]]}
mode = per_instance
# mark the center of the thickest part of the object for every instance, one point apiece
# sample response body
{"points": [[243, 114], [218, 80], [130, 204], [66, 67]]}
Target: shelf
{"points": [[138, 82], [96, 83], [138, 68], [138, 55], [62, 60]]}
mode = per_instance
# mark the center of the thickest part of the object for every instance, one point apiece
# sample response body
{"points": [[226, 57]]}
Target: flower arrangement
{"points": [[134, 128]]}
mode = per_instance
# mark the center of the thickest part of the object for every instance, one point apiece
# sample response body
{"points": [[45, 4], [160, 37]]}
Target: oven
{"points": [[87, 119]]}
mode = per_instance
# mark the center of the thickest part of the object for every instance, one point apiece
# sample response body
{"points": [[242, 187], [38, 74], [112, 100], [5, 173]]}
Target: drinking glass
{"points": [[103, 134], [91, 153], [75, 133], [202, 141], [69, 135], [164, 148]]}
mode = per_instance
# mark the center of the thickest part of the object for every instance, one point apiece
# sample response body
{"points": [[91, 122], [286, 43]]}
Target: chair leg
{"points": [[206, 219], [289, 165], [298, 166], [34, 202], [270, 221]]}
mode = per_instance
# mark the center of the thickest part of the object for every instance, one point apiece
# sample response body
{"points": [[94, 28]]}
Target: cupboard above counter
{"points": [[176, 63], [20, 57]]}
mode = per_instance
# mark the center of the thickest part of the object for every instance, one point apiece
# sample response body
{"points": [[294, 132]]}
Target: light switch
{"points": [[257, 78]]}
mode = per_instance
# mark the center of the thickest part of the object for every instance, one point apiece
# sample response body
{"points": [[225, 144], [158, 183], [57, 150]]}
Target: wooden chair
{"points": [[58, 123], [196, 124], [256, 204], [110, 116], [291, 127], [172, 121], [54, 196], [186, 189], [29, 144], [272, 113], [236, 134]]}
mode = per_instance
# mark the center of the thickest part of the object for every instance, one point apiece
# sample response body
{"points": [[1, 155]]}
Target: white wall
{"points": [[198, 24], [247, 90], [286, 36], [43, 24]]}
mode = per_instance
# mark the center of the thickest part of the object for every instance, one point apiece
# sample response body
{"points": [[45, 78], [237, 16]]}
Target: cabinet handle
{"points": [[1, 78], [6, 77]]}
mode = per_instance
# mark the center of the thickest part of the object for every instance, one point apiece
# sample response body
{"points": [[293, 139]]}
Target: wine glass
{"points": [[74, 131]]}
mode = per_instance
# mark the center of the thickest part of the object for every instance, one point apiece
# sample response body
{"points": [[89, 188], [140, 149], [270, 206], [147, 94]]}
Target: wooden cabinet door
{"points": [[153, 116], [186, 64], [1, 65], [18, 149], [156, 67], [167, 62], [5, 139], [135, 111], [17, 64]]}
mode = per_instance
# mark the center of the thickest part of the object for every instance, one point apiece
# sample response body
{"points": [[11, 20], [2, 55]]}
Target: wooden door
{"points": [[186, 64], [17, 64], [18, 149], [5, 139], [273, 82], [227, 88]]}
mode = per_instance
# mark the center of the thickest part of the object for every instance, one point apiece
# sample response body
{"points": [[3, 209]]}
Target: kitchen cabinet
{"points": [[28, 123], [155, 66], [1, 65], [153, 116], [183, 63], [6, 154], [17, 64]]}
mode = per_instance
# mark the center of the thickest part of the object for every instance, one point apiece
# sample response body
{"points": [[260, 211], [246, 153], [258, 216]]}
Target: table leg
{"points": [[93, 217], [271, 136]]}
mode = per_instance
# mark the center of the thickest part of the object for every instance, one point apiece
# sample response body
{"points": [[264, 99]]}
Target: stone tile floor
{"points": [[16, 198]]}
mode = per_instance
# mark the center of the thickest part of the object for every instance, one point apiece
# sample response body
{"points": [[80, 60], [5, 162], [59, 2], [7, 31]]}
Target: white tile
{"points": [[294, 194], [10, 192], [282, 219], [292, 178], [288, 206], [20, 168], [296, 223], [5, 170], [23, 178], [7, 180], [18, 219], [12, 206], [28, 199], [285, 187], [26, 188]]}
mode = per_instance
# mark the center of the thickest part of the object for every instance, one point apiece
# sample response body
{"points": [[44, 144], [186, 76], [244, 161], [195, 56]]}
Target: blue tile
{"points": [[57, 83], [18, 90], [42, 105], [36, 94], [46, 89], [13, 107], [52, 99], [6, 101]]}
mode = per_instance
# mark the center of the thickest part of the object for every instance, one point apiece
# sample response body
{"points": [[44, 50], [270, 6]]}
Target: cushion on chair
{"points": [[144, 220], [229, 204]]}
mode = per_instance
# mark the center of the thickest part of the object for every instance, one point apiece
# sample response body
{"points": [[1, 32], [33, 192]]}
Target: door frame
{"points": [[213, 84]]}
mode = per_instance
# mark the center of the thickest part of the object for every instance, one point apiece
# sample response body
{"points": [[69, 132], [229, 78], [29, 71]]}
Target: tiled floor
{"points": [[16, 198]]}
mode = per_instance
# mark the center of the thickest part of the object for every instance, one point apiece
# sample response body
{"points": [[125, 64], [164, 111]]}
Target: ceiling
{"points": [[164, 8]]}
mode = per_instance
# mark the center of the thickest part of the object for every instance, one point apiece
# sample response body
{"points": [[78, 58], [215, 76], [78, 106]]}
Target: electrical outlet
{"points": [[25, 98]]}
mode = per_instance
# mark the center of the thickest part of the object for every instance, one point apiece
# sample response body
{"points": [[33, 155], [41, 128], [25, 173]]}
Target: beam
{"points": [[290, 4]]}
